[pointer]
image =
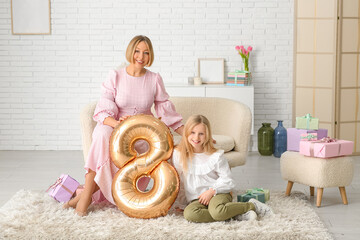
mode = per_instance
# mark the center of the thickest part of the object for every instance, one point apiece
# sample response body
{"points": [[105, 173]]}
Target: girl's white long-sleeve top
{"points": [[204, 171]]}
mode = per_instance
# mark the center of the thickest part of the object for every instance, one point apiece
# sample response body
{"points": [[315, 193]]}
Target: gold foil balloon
{"points": [[128, 198]]}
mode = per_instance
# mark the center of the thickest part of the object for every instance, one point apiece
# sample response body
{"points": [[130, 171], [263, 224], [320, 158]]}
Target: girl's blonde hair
{"points": [[132, 47], [185, 148]]}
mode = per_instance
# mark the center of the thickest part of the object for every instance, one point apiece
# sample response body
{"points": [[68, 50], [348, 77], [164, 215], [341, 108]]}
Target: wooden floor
{"points": [[36, 170]]}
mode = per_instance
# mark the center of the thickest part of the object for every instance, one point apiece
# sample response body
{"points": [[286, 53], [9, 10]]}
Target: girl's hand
{"points": [[177, 209], [206, 196]]}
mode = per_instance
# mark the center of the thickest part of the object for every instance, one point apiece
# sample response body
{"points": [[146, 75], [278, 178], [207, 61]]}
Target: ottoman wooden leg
{"points": [[343, 195], [319, 196], [288, 188], [311, 191]]}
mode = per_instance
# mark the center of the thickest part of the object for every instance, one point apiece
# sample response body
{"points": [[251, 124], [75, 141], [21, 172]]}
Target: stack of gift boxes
{"points": [[310, 140], [238, 78]]}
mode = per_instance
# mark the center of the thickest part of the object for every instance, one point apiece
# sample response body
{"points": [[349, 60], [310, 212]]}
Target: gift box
{"points": [[266, 192], [63, 189], [247, 196], [326, 148], [307, 122], [294, 136], [308, 137]]}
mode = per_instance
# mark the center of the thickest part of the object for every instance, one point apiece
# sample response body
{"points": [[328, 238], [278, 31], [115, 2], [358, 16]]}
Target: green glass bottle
{"points": [[266, 139]]}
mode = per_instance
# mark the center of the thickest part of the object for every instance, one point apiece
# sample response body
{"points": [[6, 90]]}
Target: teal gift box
{"points": [[247, 196], [307, 122], [266, 192]]}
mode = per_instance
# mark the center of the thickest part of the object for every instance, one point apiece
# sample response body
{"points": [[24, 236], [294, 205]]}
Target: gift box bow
{"points": [[255, 190], [247, 196], [57, 183]]}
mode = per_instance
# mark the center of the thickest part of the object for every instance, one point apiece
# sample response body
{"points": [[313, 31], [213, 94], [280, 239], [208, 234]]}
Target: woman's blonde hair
{"points": [[185, 148], [132, 47]]}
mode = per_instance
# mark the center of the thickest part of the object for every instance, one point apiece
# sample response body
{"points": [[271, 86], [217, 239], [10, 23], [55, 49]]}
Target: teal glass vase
{"points": [[266, 139]]}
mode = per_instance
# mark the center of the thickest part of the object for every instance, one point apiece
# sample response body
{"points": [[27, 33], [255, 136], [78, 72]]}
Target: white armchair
{"points": [[230, 122]]}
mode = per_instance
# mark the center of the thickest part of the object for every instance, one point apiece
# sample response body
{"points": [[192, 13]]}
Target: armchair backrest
{"points": [[227, 117]]}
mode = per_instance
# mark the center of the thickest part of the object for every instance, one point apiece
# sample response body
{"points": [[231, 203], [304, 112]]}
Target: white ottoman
{"points": [[317, 172]]}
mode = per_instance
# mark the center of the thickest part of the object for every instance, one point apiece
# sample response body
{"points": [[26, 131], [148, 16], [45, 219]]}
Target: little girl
{"points": [[206, 180]]}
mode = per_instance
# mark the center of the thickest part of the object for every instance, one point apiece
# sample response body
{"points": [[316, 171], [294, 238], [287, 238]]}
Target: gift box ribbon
{"points": [[308, 119], [309, 137], [323, 140], [58, 182], [239, 71]]}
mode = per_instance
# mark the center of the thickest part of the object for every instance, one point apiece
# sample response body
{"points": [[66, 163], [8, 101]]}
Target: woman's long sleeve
{"points": [[106, 107], [164, 108]]}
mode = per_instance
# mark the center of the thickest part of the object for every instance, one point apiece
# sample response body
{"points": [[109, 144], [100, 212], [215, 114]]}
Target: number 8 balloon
{"points": [[128, 198]]}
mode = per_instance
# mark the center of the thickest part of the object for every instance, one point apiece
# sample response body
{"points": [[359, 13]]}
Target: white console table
{"points": [[243, 94]]}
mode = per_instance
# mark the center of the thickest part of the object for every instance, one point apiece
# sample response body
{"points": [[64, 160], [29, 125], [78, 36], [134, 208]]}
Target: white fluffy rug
{"points": [[34, 215]]}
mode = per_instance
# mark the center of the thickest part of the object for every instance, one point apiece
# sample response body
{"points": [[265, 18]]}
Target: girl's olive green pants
{"points": [[220, 208]]}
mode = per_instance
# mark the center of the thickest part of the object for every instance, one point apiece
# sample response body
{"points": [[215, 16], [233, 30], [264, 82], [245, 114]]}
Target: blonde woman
{"points": [[128, 91], [206, 178]]}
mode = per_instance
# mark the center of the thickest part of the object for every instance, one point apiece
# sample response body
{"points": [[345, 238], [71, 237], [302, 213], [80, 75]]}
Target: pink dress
{"points": [[124, 95]]}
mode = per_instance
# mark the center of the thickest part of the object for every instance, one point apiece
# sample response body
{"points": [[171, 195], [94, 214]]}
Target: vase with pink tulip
{"points": [[245, 54]]}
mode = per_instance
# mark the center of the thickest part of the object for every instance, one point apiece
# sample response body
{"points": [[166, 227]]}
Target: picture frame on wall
{"points": [[30, 17], [211, 70]]}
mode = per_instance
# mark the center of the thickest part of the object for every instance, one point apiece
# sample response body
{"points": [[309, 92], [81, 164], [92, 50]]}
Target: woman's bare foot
{"points": [[82, 205], [85, 198], [72, 202], [81, 214], [66, 205]]}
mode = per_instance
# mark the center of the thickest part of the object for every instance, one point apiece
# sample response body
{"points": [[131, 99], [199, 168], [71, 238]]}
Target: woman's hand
{"points": [[112, 122], [206, 196], [180, 130], [123, 118]]}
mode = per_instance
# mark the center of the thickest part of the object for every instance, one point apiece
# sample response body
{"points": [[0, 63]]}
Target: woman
{"points": [[129, 91]]}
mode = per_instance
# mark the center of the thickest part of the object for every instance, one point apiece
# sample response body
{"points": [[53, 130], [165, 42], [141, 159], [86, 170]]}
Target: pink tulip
{"points": [[243, 51], [241, 47], [249, 49], [237, 48]]}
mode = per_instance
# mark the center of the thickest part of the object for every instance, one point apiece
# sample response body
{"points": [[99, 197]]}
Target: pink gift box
{"points": [[63, 189], [294, 136], [326, 149]]}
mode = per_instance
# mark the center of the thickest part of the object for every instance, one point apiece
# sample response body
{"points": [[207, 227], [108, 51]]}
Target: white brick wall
{"points": [[46, 79]]}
